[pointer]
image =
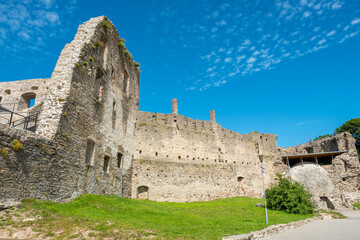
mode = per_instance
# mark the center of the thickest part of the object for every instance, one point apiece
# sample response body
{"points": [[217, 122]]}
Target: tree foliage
{"points": [[352, 126], [322, 136], [291, 198]]}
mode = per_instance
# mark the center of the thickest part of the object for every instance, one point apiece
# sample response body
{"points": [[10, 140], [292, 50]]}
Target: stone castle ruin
{"points": [[80, 131]]}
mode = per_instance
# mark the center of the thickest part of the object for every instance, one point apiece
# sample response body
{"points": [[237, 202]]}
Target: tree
{"points": [[352, 126]]}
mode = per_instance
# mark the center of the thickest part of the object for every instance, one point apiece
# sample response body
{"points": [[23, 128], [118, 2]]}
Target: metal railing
{"points": [[18, 119]]}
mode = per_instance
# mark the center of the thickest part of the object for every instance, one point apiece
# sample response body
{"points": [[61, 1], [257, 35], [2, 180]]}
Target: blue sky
{"points": [[291, 68]]}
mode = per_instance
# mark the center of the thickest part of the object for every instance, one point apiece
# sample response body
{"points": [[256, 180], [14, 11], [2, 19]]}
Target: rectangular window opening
{"points": [[90, 153], [106, 164], [119, 160]]}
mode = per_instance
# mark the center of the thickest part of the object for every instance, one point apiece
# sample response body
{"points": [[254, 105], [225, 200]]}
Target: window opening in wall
{"points": [[106, 163], [126, 83], [309, 149], [113, 118], [328, 203], [27, 100], [90, 153], [156, 153], [32, 102], [143, 192], [0, 99], [239, 179], [34, 88], [119, 160], [8, 91]]}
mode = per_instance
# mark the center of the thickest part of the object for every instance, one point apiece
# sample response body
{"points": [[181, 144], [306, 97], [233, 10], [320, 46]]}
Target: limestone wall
{"points": [[15, 96], [341, 176], [180, 159], [88, 118]]}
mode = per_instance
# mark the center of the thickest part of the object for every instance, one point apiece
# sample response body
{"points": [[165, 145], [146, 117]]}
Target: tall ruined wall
{"points": [[180, 159], [338, 180], [88, 117]]}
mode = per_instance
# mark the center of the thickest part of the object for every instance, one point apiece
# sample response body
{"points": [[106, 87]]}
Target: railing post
{"points": [[11, 116]]}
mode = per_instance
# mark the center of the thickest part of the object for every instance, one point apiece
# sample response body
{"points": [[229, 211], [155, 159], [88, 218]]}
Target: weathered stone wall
{"points": [[338, 181], [180, 159], [15, 96], [43, 169], [88, 118], [12, 92]]}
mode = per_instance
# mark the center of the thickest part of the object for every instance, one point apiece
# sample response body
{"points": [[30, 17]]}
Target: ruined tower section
{"points": [[181, 159], [85, 133]]}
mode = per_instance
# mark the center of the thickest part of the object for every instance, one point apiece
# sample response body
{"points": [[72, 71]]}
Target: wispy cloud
{"points": [[305, 123], [251, 36], [28, 25]]}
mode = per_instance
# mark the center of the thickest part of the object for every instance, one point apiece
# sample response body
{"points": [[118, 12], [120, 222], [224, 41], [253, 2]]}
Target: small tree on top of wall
{"points": [[291, 198]]}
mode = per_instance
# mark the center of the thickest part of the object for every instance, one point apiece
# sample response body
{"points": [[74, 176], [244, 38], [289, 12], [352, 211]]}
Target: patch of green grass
{"points": [[196, 220], [357, 206]]}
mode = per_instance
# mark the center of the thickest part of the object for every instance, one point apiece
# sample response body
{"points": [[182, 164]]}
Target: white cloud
{"points": [[251, 60], [306, 14], [322, 41], [27, 20], [246, 42], [331, 33], [52, 17], [355, 21]]}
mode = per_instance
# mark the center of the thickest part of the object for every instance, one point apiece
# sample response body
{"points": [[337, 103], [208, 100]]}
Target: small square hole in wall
{"points": [[239, 179]]}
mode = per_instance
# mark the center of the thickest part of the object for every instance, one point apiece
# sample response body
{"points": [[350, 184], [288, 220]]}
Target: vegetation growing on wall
{"points": [[322, 136], [352, 126], [16, 145], [4, 153], [291, 198]]}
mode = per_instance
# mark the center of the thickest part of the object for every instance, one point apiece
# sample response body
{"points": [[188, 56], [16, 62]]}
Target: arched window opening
{"points": [[143, 192], [27, 100]]}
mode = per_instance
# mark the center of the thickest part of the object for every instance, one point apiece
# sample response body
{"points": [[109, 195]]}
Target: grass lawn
{"points": [[112, 216]]}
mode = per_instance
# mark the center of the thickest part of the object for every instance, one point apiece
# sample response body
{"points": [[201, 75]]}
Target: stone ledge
{"points": [[271, 230]]}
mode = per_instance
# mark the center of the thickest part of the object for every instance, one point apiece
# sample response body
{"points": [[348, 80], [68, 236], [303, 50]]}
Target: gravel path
{"points": [[332, 229]]}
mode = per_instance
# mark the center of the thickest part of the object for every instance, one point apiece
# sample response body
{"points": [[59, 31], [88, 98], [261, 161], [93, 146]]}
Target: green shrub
{"points": [[85, 63], [122, 40], [121, 45], [291, 198], [16, 145], [106, 24], [91, 59], [99, 44], [127, 54], [322, 136], [137, 64], [4, 153]]}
